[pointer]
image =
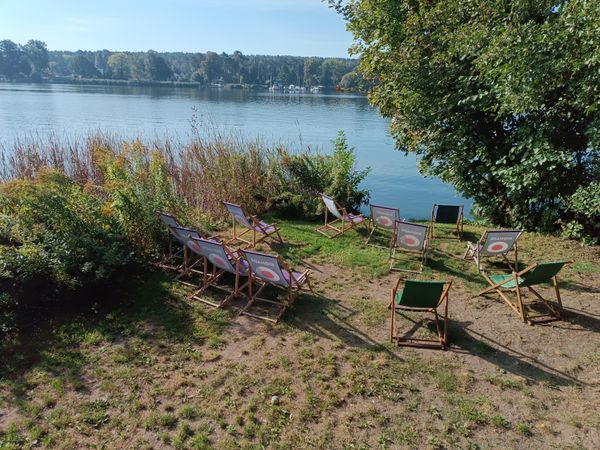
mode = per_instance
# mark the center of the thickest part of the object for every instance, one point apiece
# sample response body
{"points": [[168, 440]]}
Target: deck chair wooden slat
{"points": [[408, 238], [535, 274], [424, 297], [382, 218], [271, 270], [343, 221], [447, 214], [252, 225]]}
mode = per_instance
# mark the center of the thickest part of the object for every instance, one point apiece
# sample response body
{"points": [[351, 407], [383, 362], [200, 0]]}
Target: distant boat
{"points": [[316, 89]]}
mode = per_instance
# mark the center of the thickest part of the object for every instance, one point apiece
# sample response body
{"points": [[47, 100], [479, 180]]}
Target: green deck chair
{"points": [[536, 274], [420, 296]]}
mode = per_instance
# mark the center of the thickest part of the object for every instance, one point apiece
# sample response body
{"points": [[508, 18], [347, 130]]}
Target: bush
{"points": [[584, 205], [55, 238], [303, 176]]}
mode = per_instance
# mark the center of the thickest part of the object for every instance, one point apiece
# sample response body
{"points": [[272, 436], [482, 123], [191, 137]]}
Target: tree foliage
{"points": [[500, 98]]}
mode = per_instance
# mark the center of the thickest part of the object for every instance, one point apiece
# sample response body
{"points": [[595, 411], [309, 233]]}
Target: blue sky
{"points": [[276, 27]]}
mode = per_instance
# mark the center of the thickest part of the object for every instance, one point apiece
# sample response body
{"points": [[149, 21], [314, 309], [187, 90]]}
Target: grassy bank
{"points": [[149, 368]]}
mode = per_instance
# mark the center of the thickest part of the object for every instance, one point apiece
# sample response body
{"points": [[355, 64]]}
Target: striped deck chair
{"points": [[448, 214], [183, 235], [382, 218], [348, 221], [223, 260], [420, 296], [252, 224], [173, 260], [494, 243], [271, 270], [536, 274], [409, 237]]}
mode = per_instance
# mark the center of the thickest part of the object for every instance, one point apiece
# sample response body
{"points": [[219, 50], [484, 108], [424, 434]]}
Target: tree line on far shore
{"points": [[33, 61]]}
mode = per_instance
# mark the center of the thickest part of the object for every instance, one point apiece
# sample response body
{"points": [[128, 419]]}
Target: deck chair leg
{"points": [[558, 299], [370, 234], [522, 311]]}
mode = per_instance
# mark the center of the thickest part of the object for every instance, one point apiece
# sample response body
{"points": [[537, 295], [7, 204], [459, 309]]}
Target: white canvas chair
{"points": [[223, 260], [332, 228], [271, 270], [382, 218], [173, 260], [412, 238], [252, 224], [495, 243]]}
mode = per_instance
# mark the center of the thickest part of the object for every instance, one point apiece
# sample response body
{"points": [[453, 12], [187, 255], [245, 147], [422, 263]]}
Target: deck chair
{"points": [[420, 296], [348, 221], [539, 273], [183, 235], [409, 237], [383, 218], [452, 214], [494, 243], [252, 224], [174, 258], [223, 261], [271, 270]]}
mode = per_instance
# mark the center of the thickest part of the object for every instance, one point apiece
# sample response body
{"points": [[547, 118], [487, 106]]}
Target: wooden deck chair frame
{"points": [[330, 229], [518, 306], [174, 259], [459, 221], [394, 246], [292, 290], [253, 225], [442, 335], [183, 235], [473, 251], [392, 214], [211, 275]]}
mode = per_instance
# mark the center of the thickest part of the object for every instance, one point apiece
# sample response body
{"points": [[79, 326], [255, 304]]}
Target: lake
{"points": [[299, 120]]}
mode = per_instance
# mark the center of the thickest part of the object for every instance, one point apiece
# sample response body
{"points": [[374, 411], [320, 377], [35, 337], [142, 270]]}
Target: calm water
{"points": [[300, 120]]}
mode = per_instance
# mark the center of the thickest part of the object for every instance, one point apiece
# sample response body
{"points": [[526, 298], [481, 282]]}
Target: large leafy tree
{"points": [[499, 97]]}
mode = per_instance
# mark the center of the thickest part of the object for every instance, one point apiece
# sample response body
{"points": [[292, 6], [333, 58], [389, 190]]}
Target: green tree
{"points": [[119, 66], [37, 55], [11, 59], [500, 98], [81, 66], [156, 68]]}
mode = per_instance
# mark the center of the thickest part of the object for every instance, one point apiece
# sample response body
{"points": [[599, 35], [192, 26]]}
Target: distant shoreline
{"points": [[152, 83]]}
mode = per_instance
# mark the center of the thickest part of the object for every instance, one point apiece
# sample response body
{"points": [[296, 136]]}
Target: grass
{"points": [[161, 370]]}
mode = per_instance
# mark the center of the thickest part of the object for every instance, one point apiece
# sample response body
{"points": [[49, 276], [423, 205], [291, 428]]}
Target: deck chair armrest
{"points": [[445, 293], [395, 288], [527, 269]]}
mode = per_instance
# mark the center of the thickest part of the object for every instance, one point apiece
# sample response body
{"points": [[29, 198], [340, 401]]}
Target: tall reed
{"points": [[204, 170]]}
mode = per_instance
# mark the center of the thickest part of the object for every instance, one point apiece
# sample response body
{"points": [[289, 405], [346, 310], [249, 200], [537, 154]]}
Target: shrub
{"points": [[54, 238], [584, 205], [303, 176]]}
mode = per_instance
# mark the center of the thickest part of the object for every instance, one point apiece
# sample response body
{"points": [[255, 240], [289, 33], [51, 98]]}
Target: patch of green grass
{"points": [[524, 429], [346, 250], [585, 266]]}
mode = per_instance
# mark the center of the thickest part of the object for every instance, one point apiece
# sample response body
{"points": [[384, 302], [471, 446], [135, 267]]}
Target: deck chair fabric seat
{"points": [[223, 260], [331, 228], [534, 275], [420, 296], [260, 230], [271, 270], [410, 238], [382, 218], [447, 214], [495, 243]]}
